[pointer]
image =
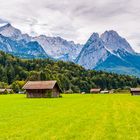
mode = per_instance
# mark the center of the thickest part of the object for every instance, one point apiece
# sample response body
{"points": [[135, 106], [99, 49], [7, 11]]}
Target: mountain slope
{"points": [[114, 42], [128, 61], [117, 65], [22, 48], [110, 52], [93, 52], [59, 48], [9, 31], [55, 47]]}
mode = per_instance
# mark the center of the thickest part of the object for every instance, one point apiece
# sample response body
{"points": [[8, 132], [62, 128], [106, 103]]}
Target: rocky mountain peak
{"points": [[94, 36], [93, 52], [114, 42], [9, 31]]}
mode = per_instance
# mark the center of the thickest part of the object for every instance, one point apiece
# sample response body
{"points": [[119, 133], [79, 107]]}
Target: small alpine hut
{"points": [[3, 91], [135, 91], [95, 90], [42, 89]]}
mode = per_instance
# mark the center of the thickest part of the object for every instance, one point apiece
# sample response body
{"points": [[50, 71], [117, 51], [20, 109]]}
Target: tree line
{"points": [[70, 77]]}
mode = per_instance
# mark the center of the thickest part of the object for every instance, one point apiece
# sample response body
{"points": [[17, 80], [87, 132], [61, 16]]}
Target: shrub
{"points": [[70, 91], [5, 92], [60, 96], [11, 92]]}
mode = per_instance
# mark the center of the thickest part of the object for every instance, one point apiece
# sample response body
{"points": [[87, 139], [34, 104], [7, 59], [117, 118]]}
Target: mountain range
{"points": [[107, 52]]}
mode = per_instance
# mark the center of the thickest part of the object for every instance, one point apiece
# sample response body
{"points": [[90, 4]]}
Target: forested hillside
{"points": [[70, 77]]}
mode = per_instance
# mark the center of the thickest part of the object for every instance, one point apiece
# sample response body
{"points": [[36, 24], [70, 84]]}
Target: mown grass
{"points": [[73, 117]]}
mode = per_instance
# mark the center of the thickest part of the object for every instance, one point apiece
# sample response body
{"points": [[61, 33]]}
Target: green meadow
{"points": [[73, 117]]}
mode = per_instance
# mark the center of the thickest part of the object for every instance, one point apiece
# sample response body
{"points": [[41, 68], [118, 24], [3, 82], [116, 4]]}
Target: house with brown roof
{"points": [[3, 91], [104, 92], [42, 89], [135, 91], [95, 90]]}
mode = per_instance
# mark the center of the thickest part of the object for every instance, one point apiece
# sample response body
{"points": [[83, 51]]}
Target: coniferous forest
{"points": [[14, 72]]}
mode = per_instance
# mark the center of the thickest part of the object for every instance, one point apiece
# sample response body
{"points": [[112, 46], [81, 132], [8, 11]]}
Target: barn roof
{"points": [[2, 90], [9, 90], [39, 85], [95, 90], [134, 89]]}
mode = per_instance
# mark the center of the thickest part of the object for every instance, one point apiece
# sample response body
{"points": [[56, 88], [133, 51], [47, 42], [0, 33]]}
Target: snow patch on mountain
{"points": [[3, 24]]}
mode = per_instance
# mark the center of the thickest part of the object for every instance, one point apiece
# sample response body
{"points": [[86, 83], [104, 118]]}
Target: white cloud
{"points": [[75, 20]]}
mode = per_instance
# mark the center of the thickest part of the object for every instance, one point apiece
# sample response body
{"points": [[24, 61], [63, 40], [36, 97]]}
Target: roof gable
{"points": [[39, 85], [135, 89], [3, 90], [95, 90]]}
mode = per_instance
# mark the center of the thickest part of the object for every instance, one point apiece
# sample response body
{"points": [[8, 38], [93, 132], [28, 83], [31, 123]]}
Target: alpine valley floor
{"points": [[73, 117]]}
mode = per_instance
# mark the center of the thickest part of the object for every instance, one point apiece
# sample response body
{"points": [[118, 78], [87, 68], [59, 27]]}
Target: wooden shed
{"points": [[135, 91], [104, 92], [2, 91], [42, 89], [95, 90]]}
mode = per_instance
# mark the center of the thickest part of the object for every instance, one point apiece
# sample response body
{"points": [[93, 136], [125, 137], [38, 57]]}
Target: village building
{"points": [[112, 91], [5, 91], [135, 91], [95, 90], [104, 91], [2, 91], [42, 89]]}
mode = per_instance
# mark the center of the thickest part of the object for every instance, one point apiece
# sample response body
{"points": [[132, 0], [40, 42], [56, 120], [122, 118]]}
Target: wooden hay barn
{"points": [[2, 91], [135, 91], [104, 91], [42, 89], [95, 90]]}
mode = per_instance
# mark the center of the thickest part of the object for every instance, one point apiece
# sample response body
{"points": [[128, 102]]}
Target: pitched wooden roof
{"points": [[39, 85], [2, 90], [95, 90], [134, 89]]}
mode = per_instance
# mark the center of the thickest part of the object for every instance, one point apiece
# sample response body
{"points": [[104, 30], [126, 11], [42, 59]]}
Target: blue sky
{"points": [[74, 20]]}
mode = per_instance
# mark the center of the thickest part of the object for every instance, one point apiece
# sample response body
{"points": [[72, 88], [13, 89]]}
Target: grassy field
{"points": [[73, 117]]}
